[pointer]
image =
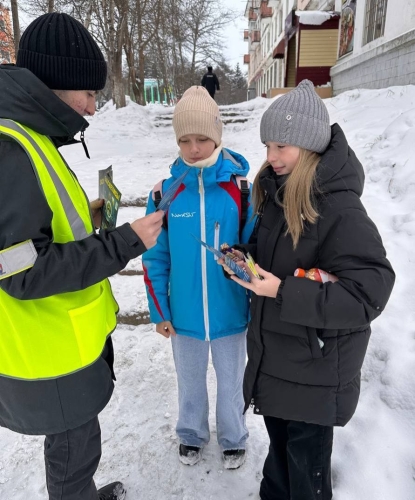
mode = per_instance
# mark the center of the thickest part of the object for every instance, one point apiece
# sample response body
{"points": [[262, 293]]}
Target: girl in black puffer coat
{"points": [[307, 340]]}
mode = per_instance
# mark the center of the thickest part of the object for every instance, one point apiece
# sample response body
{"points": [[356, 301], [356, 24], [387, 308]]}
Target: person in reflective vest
{"points": [[56, 305]]}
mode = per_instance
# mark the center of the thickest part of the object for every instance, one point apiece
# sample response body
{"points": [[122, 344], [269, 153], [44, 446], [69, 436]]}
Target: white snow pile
{"points": [[314, 17], [374, 455]]}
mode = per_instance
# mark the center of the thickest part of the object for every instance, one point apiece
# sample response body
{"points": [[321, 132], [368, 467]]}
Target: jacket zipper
{"points": [[216, 240], [203, 254]]}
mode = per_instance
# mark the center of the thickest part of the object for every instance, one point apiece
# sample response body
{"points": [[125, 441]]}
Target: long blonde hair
{"points": [[298, 199]]}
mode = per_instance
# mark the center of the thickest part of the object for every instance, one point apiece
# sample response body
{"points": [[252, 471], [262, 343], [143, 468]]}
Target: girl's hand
{"points": [[240, 262], [267, 287], [165, 328]]}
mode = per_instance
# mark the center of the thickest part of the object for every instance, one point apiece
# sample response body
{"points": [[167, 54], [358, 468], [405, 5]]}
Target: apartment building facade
{"points": [[377, 45], [289, 40]]}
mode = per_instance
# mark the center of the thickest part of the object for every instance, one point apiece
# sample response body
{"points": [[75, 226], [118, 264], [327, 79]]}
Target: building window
{"points": [[2, 25], [375, 19]]}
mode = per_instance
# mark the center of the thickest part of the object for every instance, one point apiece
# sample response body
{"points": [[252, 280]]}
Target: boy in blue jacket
{"points": [[189, 297]]}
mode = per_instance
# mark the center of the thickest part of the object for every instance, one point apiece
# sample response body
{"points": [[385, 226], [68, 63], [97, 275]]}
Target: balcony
{"points": [[252, 15], [279, 50], [255, 36], [247, 58], [246, 35], [264, 10]]}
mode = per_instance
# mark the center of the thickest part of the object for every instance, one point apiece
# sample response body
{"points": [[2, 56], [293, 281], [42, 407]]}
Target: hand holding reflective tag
{"points": [[148, 228]]}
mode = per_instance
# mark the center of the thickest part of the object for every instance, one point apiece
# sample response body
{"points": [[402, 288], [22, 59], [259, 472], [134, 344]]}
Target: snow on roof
{"points": [[314, 17]]}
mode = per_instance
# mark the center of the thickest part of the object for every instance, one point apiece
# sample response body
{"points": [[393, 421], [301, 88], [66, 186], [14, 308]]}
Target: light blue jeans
{"points": [[191, 358]]}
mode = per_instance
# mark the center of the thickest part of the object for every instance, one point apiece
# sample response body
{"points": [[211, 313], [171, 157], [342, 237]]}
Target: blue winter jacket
{"points": [[184, 283]]}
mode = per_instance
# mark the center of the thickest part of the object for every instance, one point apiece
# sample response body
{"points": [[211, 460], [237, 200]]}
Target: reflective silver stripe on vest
{"points": [[17, 258], [76, 223]]}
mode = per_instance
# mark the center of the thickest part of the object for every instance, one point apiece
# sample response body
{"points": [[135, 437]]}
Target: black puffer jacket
{"points": [[55, 405], [288, 375], [210, 82]]}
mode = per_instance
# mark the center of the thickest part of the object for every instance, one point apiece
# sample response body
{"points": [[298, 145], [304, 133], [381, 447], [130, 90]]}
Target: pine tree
{"points": [[239, 80]]}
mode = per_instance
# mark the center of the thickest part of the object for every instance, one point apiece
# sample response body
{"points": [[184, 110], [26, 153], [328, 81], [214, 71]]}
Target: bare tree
{"points": [[115, 36], [205, 21], [143, 26], [171, 40], [107, 21], [192, 36], [16, 25], [34, 8]]}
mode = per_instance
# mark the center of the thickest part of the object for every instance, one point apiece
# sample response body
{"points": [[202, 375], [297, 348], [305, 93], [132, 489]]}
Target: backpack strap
{"points": [[157, 193], [243, 186]]}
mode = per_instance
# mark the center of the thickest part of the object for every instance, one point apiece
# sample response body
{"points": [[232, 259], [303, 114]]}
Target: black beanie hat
{"points": [[60, 51]]}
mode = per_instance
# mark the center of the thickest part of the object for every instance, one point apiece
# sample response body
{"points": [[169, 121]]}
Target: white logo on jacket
{"points": [[185, 214]]}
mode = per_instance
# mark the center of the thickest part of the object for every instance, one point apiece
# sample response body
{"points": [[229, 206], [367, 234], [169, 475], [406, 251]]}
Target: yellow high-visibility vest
{"points": [[58, 335]]}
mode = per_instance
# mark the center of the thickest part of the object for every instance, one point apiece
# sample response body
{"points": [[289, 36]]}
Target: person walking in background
{"points": [[210, 82], [190, 299], [307, 340], [56, 306]]}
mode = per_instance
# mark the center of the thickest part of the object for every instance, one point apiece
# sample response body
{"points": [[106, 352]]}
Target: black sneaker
{"points": [[113, 491], [189, 455], [233, 459]]}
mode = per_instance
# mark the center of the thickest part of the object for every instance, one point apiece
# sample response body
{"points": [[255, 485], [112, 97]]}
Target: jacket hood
{"points": [[338, 170], [27, 100], [228, 163]]}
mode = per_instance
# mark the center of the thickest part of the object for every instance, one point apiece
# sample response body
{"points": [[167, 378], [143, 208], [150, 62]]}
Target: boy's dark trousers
{"points": [[71, 459], [298, 465]]}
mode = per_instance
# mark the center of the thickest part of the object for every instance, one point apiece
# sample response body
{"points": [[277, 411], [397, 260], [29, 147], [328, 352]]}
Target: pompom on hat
{"points": [[197, 113], [61, 52], [298, 118]]}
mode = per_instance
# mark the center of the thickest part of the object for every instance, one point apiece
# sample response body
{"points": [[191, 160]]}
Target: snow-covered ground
{"points": [[374, 456]]}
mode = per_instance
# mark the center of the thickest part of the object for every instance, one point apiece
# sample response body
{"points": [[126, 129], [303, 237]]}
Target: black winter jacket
{"points": [[288, 375], [210, 82], [50, 406]]}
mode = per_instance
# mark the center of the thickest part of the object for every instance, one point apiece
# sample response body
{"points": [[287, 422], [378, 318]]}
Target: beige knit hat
{"points": [[197, 113]]}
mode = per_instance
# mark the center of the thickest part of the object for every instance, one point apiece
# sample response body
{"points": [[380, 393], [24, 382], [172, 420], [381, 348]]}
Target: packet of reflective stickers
{"points": [[241, 273]]}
